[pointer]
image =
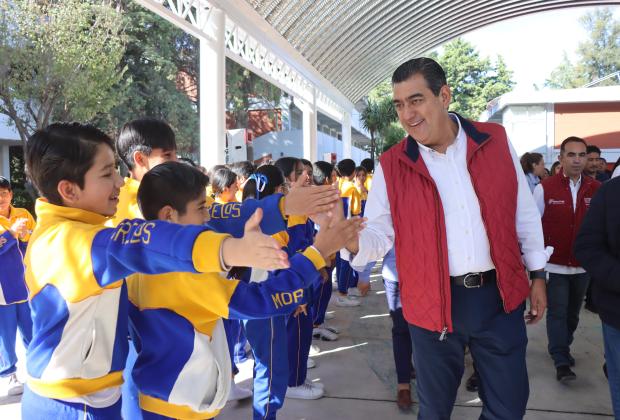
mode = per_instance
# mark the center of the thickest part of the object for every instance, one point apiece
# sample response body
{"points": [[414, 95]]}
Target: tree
{"points": [[376, 116], [161, 78], [474, 81], [60, 61], [597, 57]]}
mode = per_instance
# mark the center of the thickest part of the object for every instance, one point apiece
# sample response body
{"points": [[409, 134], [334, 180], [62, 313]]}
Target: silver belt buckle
{"points": [[471, 285]]}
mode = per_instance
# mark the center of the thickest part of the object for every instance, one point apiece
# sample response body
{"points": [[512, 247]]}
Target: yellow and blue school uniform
{"points": [[75, 268], [352, 206], [14, 310], [183, 368], [300, 233]]}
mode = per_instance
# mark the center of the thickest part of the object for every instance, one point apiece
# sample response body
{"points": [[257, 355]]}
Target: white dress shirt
{"points": [[616, 172], [468, 243], [539, 198]]}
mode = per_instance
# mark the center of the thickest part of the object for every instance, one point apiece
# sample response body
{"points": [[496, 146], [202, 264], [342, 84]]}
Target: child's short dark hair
{"points": [[62, 151], [321, 172], [243, 169], [359, 170], [222, 178], [287, 165], [144, 135], [346, 167], [369, 164], [172, 184], [5, 184]]}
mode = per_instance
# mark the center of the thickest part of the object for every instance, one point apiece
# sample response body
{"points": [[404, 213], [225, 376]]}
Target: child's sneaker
{"points": [[354, 291], [304, 392], [331, 328], [324, 334], [314, 350], [316, 384], [345, 301], [10, 385], [238, 393], [311, 364], [329, 315]]}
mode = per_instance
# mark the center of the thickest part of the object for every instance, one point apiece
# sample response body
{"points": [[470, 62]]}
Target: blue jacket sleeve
{"points": [[153, 247], [7, 242], [231, 217], [281, 293]]}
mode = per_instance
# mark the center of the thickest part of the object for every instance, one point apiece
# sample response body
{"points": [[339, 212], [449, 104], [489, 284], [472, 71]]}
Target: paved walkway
{"points": [[359, 376]]}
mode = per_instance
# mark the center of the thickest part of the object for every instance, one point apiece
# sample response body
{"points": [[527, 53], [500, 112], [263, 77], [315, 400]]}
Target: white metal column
{"points": [[4, 162], [346, 136], [212, 94], [310, 142]]}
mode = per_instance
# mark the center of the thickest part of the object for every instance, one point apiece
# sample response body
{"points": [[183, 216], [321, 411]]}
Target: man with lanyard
{"points": [[463, 225]]}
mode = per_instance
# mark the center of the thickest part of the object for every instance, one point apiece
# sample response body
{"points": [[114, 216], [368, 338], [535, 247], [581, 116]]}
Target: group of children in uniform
{"points": [[133, 278]]}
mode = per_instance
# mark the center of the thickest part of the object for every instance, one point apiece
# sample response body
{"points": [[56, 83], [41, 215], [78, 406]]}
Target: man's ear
{"points": [[168, 214], [446, 95], [69, 191]]}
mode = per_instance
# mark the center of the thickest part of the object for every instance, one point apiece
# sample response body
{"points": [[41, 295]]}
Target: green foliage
{"points": [[156, 53], [21, 196], [376, 117], [60, 61], [244, 90], [597, 57], [474, 81], [391, 135]]}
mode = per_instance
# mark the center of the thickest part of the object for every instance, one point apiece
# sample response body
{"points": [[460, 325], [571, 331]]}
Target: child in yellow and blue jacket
{"points": [[76, 266], [16, 225], [352, 206], [190, 315]]}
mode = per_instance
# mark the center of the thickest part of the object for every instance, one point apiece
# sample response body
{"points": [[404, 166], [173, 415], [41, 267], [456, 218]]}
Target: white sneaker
{"points": [[345, 301], [311, 364], [238, 393], [334, 286], [324, 334], [10, 385], [316, 384], [304, 392], [354, 292], [329, 315], [314, 350], [331, 328]]}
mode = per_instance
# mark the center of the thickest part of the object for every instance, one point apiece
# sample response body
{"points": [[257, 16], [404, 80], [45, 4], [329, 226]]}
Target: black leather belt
{"points": [[473, 280]]}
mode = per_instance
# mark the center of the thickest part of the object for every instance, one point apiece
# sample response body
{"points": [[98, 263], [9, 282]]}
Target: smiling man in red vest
{"points": [[454, 201], [563, 200]]}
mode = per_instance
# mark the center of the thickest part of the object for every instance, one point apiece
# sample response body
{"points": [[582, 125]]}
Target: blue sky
{"points": [[533, 45]]}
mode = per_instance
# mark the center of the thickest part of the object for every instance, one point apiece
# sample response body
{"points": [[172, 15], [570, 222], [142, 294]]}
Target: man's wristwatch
{"points": [[538, 274]]}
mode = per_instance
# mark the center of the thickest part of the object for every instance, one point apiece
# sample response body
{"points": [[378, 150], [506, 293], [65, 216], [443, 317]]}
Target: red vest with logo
{"points": [[420, 230], [560, 222]]}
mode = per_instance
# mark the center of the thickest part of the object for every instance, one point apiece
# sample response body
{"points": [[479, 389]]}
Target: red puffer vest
{"points": [[420, 230], [560, 222]]}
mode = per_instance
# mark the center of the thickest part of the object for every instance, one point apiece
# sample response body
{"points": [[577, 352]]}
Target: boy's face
{"points": [[361, 177], [144, 163], [195, 213], [102, 184], [6, 196]]}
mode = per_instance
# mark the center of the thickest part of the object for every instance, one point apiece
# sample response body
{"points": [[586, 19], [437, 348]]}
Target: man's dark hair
{"points": [[274, 176], [144, 135], [369, 164], [321, 172], [5, 184], [572, 139], [346, 167], [287, 165], [222, 178], [172, 184], [62, 151], [427, 67], [243, 169], [593, 149]]}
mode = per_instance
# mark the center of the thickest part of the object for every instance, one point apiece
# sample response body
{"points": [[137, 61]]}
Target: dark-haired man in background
{"points": [[463, 225]]}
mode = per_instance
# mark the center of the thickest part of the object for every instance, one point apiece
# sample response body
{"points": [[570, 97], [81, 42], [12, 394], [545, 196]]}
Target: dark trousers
{"points": [[299, 340], [565, 295], [322, 292], [401, 339], [497, 342], [345, 275], [12, 317]]}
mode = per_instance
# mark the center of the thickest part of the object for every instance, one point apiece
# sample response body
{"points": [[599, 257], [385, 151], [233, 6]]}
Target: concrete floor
{"points": [[359, 377]]}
